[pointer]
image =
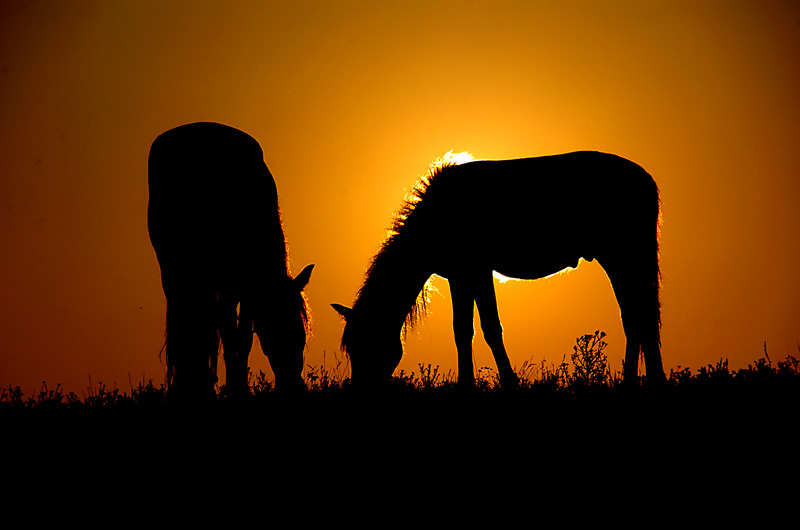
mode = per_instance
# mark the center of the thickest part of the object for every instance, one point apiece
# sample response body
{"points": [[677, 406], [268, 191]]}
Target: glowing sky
{"points": [[350, 102]]}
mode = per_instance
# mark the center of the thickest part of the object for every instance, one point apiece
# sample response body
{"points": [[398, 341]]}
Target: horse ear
{"points": [[345, 312], [301, 280]]}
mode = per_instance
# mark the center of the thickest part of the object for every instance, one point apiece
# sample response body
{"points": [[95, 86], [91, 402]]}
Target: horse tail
{"points": [[651, 323], [656, 275]]}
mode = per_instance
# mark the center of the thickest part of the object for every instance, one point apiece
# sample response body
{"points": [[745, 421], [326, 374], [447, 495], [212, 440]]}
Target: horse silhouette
{"points": [[526, 219], [215, 225]]}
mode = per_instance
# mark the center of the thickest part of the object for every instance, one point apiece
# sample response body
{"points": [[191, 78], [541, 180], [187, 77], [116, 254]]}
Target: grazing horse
{"points": [[216, 228], [526, 219]]}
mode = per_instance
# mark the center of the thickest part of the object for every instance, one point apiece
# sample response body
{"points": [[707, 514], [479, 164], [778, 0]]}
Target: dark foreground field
{"points": [[713, 442], [713, 406]]}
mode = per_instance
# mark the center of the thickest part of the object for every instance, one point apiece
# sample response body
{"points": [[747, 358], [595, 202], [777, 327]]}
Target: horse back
{"points": [[211, 196], [535, 216], [199, 164]]}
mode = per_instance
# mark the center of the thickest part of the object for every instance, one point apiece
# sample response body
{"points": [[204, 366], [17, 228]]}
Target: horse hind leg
{"points": [[636, 290]]}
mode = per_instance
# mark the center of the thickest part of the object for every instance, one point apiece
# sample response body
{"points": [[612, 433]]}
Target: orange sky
{"points": [[350, 102]]}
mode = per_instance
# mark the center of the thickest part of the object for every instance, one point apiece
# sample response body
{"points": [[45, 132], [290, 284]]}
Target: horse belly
{"points": [[535, 253], [534, 267]]}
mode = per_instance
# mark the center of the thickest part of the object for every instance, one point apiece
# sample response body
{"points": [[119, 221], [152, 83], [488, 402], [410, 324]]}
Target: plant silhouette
{"points": [[524, 218], [591, 364], [216, 228]]}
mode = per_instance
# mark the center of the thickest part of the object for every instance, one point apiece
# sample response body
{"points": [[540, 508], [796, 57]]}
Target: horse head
{"points": [[374, 348], [282, 323]]}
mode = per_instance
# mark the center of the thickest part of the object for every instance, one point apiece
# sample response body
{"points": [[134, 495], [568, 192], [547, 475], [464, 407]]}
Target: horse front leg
{"points": [[463, 329], [236, 345], [244, 343], [486, 300]]}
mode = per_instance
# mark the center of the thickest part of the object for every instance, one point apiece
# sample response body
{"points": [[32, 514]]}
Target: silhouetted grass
{"points": [[586, 377], [561, 423]]}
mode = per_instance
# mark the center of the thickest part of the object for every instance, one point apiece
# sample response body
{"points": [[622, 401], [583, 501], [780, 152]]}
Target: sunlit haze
{"points": [[351, 101]]}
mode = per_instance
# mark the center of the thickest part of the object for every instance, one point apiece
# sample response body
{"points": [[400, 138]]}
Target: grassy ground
{"points": [[576, 394], [569, 430], [584, 379]]}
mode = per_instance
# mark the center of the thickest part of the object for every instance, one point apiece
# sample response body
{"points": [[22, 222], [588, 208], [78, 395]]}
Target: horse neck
{"points": [[395, 280]]}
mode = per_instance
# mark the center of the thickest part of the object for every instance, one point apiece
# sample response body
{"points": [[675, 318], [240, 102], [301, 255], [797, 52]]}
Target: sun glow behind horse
{"points": [[454, 159], [410, 201]]}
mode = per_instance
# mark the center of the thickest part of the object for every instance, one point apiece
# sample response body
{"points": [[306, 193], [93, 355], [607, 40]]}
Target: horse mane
{"points": [[404, 228]]}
